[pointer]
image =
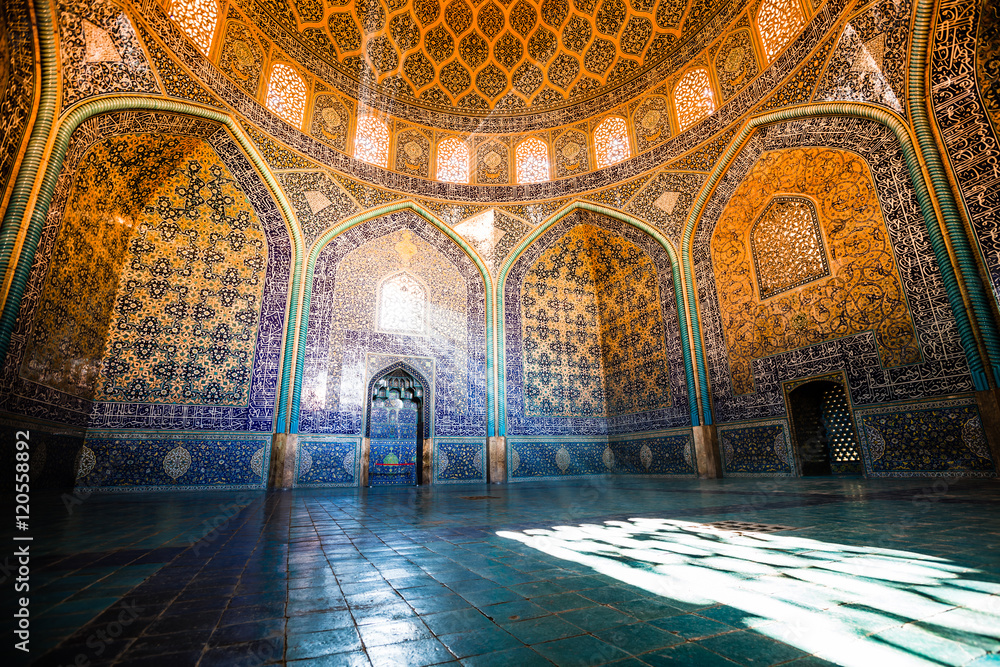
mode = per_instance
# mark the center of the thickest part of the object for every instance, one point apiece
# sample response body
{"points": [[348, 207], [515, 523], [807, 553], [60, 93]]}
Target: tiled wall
{"points": [[965, 58], [345, 347], [328, 461], [577, 364], [758, 448], [140, 461], [933, 437], [459, 460], [156, 303], [641, 454], [919, 356]]}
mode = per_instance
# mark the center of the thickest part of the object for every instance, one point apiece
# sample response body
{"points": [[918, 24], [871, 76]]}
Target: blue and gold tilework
{"points": [[344, 327], [459, 460], [937, 437], [592, 341], [759, 448], [663, 454], [157, 298], [554, 458], [327, 462], [137, 461], [860, 291]]}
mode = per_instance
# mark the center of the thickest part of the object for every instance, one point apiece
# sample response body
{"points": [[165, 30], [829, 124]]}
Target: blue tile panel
{"points": [[519, 422], [136, 461], [392, 462], [760, 448], [660, 455], [927, 438], [327, 462], [552, 458], [459, 460], [338, 345]]}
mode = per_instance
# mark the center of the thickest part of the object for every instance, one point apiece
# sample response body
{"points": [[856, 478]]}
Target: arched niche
{"points": [[343, 344], [541, 293]]}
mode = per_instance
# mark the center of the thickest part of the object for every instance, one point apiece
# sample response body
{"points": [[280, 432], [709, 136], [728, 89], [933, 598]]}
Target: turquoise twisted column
{"points": [[965, 252]]}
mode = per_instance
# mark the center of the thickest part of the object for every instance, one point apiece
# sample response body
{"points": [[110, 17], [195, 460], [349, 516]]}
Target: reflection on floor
{"points": [[585, 572]]}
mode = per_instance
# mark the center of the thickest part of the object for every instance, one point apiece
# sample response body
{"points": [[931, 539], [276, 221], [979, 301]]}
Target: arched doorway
{"points": [[823, 429], [395, 429]]}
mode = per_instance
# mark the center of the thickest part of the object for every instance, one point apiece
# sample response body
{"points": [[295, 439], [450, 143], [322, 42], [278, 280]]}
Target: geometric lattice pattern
{"points": [[593, 329], [787, 246], [845, 454], [453, 161], [693, 97], [778, 21], [611, 141], [532, 161], [372, 141], [286, 94], [197, 18], [402, 305]]}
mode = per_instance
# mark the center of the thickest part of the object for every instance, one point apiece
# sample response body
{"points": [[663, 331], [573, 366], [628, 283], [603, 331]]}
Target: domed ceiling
{"points": [[487, 56]]}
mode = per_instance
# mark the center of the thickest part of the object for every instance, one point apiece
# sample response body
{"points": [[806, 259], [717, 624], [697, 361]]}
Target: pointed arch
{"points": [[35, 224], [676, 275], [402, 304], [978, 359], [307, 279], [426, 405]]}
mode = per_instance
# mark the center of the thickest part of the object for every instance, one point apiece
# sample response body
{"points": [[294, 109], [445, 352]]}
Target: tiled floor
{"points": [[583, 572]]}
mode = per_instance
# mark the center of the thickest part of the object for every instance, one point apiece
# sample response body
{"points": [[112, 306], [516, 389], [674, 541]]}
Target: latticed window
{"points": [[611, 141], [453, 161], [777, 22], [787, 246], [372, 143], [693, 97], [286, 94], [532, 161], [402, 304], [197, 18]]}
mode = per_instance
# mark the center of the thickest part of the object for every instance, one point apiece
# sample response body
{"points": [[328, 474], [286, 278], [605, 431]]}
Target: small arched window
{"points": [[402, 305], [372, 143], [286, 94], [532, 161], [778, 21], [453, 161], [693, 97], [611, 141], [197, 18]]}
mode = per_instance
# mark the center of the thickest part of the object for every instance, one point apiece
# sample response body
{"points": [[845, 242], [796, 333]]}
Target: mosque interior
{"points": [[502, 332]]}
